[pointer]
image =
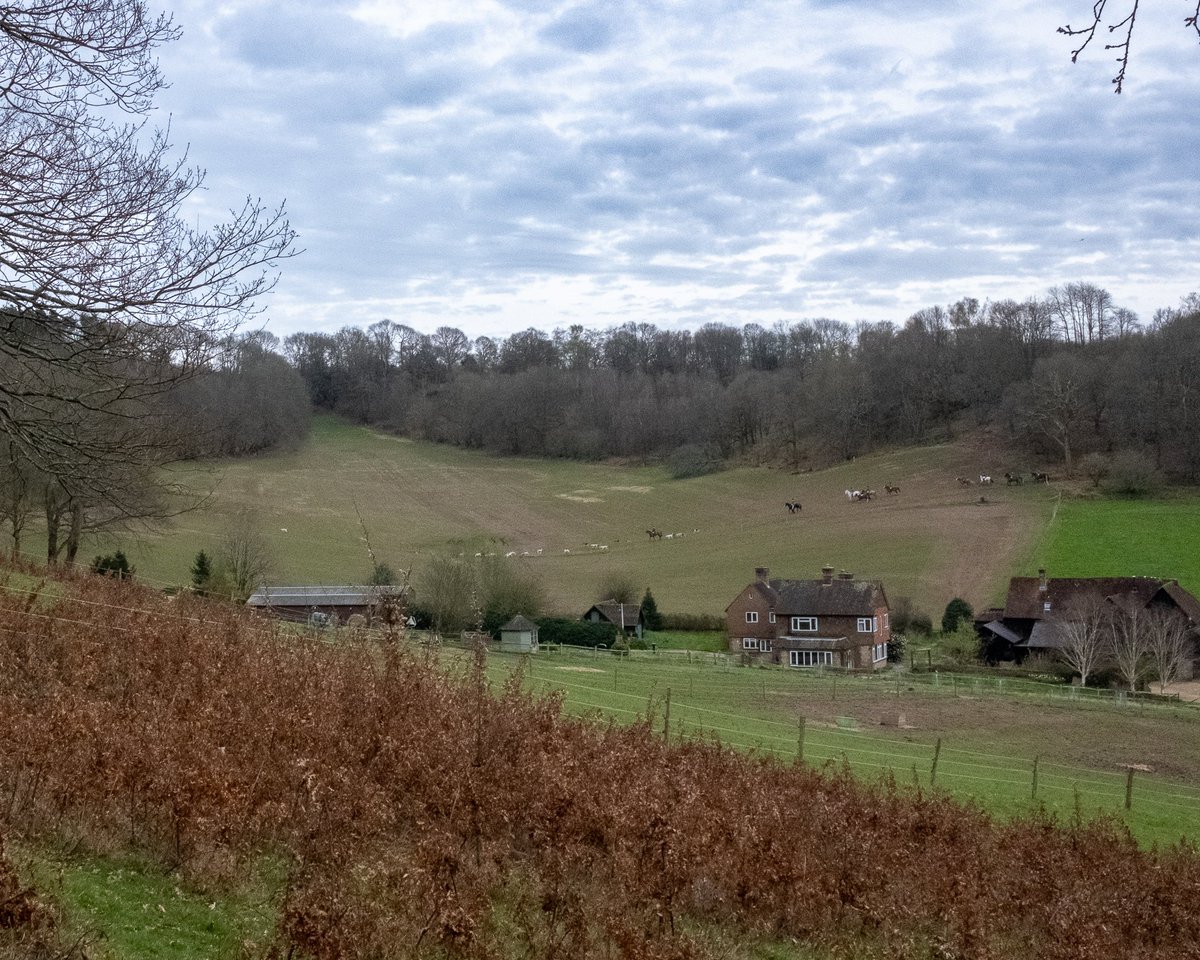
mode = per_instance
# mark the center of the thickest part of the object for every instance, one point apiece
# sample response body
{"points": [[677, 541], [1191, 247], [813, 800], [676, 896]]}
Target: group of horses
{"points": [[1012, 479]]}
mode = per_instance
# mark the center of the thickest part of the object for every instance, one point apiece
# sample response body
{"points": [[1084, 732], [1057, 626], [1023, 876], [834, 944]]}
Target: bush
{"points": [[575, 633], [920, 623], [695, 622], [113, 565], [1133, 475], [896, 648], [650, 614], [961, 646], [957, 611], [690, 460]]}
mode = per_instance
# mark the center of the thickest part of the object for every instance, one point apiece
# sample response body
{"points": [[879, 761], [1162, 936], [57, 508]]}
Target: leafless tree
{"points": [[1123, 26], [1129, 644], [1085, 641], [107, 295], [245, 560], [1170, 645]]}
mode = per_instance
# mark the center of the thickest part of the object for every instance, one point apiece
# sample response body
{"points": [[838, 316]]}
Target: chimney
{"points": [[845, 575], [1042, 580], [827, 575], [762, 574]]}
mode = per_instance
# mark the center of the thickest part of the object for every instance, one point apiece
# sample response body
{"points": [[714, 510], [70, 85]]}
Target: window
{"points": [[752, 616], [804, 624], [810, 658], [1046, 607], [749, 643], [886, 624], [879, 652], [771, 617], [866, 624], [764, 645]]}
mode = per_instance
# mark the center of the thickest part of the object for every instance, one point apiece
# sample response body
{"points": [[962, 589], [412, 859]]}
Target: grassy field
{"points": [[1097, 538], [932, 541], [990, 730]]}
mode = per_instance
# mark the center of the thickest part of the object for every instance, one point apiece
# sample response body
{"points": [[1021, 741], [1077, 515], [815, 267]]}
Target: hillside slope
{"points": [[932, 541]]}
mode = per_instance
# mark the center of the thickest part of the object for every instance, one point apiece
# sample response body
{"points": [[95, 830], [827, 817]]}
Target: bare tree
{"points": [[1129, 644], [1170, 646], [1123, 26], [1085, 641], [245, 561], [107, 296]]}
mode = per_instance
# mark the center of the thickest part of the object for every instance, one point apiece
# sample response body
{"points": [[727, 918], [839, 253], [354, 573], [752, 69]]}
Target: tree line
{"points": [[1066, 374]]}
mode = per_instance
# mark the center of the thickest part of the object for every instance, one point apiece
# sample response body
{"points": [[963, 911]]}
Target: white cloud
{"points": [[493, 165]]}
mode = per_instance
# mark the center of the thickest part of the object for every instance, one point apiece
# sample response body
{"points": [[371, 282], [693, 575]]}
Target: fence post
{"points": [[1033, 794], [800, 743], [1129, 789], [937, 752], [667, 717]]}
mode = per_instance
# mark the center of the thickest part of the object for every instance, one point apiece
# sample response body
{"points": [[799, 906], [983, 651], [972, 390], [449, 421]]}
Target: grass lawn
{"points": [[1150, 538], [990, 730]]}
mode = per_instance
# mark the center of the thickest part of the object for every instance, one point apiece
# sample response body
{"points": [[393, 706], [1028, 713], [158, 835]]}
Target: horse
{"points": [[1014, 479], [654, 533], [1040, 477], [793, 506], [963, 481], [888, 488]]}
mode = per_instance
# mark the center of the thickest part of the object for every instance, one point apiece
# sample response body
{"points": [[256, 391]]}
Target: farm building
{"points": [[834, 621], [1036, 609], [519, 635], [626, 617], [326, 604]]}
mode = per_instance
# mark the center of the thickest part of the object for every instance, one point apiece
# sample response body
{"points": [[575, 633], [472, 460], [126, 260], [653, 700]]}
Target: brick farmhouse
{"points": [[834, 621]]}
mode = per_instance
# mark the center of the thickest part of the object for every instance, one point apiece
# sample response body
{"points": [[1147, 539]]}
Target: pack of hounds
{"points": [[1012, 479]]}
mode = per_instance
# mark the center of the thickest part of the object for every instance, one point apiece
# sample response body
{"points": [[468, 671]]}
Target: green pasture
{"points": [[858, 722], [1107, 538], [120, 907], [932, 541]]}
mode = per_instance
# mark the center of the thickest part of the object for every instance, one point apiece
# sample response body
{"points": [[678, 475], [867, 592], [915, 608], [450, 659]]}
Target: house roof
{"points": [[321, 596], [1047, 635], [628, 614], [520, 623], [1003, 632], [1072, 597], [839, 598]]}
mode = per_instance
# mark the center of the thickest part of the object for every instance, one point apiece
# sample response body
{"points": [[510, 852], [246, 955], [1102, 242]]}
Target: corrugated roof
{"points": [[321, 596], [1000, 630]]}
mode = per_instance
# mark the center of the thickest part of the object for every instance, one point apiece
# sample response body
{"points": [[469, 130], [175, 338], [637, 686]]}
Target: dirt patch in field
{"points": [[1166, 740], [580, 496], [631, 489], [581, 669]]}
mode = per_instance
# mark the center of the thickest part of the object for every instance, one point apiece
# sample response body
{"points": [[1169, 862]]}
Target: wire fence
{"points": [[680, 704]]}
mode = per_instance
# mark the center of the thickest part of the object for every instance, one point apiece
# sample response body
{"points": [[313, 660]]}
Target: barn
{"points": [[321, 604]]}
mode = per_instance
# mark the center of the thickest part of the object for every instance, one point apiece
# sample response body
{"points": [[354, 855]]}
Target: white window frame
{"points": [[749, 643], [886, 623], [764, 645], [798, 624], [752, 616], [771, 617], [879, 652], [866, 624], [1046, 607], [810, 658]]}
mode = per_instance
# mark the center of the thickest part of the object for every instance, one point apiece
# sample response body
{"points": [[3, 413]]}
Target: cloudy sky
{"points": [[499, 164]]}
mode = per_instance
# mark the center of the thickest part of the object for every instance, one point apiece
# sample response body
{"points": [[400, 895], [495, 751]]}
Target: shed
{"points": [[519, 635]]}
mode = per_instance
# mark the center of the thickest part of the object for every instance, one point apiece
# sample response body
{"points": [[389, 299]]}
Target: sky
{"points": [[495, 165]]}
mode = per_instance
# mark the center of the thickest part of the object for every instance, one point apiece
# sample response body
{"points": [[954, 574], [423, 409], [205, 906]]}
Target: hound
{"points": [[963, 481], [984, 478], [1013, 478], [1041, 477]]}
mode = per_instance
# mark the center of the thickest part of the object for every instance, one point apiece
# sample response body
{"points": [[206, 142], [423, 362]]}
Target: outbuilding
{"points": [[519, 635]]}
